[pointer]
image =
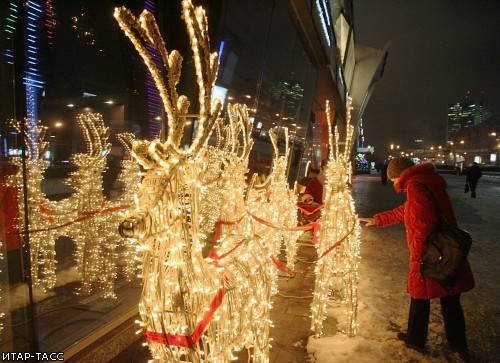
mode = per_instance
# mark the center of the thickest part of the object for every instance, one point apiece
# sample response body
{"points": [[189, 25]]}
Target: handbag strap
{"points": [[439, 211]]}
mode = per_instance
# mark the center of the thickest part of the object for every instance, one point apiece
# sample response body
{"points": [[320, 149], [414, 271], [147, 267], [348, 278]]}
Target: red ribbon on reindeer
{"points": [[210, 181], [84, 217], [315, 226], [219, 223], [189, 341], [309, 212], [216, 257], [284, 268], [44, 211]]}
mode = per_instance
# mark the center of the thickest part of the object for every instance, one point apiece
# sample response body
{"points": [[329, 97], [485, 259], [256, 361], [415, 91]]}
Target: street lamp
{"points": [[496, 147], [453, 153]]}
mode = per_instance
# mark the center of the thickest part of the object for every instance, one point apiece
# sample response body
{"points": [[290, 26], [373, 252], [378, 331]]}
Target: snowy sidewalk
{"points": [[383, 302]]}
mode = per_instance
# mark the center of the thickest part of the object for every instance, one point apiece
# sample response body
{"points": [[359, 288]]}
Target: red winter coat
{"points": [[315, 188], [9, 211], [420, 217]]}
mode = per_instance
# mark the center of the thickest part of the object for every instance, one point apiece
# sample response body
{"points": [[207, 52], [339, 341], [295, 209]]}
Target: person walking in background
{"points": [[473, 175], [420, 216]]}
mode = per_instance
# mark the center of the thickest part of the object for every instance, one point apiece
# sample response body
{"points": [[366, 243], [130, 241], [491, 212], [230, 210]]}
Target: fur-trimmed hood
{"points": [[425, 173]]}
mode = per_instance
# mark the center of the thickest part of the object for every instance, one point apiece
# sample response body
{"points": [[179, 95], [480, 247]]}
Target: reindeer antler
{"points": [[334, 138], [34, 139], [274, 140], [94, 132], [126, 139], [241, 126], [206, 66]]}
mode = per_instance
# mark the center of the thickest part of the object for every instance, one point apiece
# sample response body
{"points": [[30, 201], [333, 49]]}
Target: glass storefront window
{"points": [[264, 64], [72, 85]]}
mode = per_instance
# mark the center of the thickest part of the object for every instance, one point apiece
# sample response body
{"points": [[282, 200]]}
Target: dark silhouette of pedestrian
{"points": [[473, 175]]}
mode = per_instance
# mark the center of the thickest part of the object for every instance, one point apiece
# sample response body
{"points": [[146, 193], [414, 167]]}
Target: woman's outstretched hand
{"points": [[369, 221]]}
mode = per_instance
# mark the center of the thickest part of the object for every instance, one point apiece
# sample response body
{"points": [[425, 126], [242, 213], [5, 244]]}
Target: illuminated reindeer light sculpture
{"points": [[212, 193], [234, 150], [192, 309], [277, 204], [130, 176], [42, 243], [96, 237], [283, 200], [339, 237]]}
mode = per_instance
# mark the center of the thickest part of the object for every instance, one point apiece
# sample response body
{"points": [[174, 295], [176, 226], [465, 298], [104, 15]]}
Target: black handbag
{"points": [[447, 251]]}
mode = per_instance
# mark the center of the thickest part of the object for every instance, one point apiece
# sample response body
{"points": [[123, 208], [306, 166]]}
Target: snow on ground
{"points": [[383, 301]]}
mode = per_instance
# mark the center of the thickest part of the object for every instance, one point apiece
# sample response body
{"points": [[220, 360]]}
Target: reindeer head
{"points": [[163, 158], [338, 169]]}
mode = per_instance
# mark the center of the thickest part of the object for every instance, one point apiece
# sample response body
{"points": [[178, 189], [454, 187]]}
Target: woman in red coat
{"points": [[420, 216]]}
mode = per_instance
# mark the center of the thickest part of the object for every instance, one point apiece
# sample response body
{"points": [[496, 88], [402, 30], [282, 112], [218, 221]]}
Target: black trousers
{"points": [[453, 318], [472, 186]]}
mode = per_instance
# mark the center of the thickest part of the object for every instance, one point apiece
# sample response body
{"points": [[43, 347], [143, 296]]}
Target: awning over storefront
{"points": [[368, 69]]}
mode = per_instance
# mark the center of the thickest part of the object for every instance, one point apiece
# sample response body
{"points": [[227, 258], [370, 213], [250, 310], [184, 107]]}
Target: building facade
{"points": [[462, 115]]}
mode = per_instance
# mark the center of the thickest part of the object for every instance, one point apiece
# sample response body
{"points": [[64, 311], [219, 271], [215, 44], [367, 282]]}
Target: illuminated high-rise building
{"points": [[462, 115]]}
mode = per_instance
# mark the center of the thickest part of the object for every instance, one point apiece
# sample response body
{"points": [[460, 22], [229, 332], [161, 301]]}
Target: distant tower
{"points": [[462, 115]]}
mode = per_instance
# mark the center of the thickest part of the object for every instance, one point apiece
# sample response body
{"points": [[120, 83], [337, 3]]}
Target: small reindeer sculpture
{"points": [[232, 150], [130, 177], [192, 309]]}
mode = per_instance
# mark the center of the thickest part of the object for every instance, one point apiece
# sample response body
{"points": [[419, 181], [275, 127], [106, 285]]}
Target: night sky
{"points": [[442, 51]]}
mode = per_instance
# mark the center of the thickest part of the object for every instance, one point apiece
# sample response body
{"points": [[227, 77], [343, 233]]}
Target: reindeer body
{"points": [[179, 285]]}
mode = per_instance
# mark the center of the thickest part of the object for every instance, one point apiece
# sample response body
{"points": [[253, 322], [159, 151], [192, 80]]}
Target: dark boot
{"points": [[418, 348]]}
